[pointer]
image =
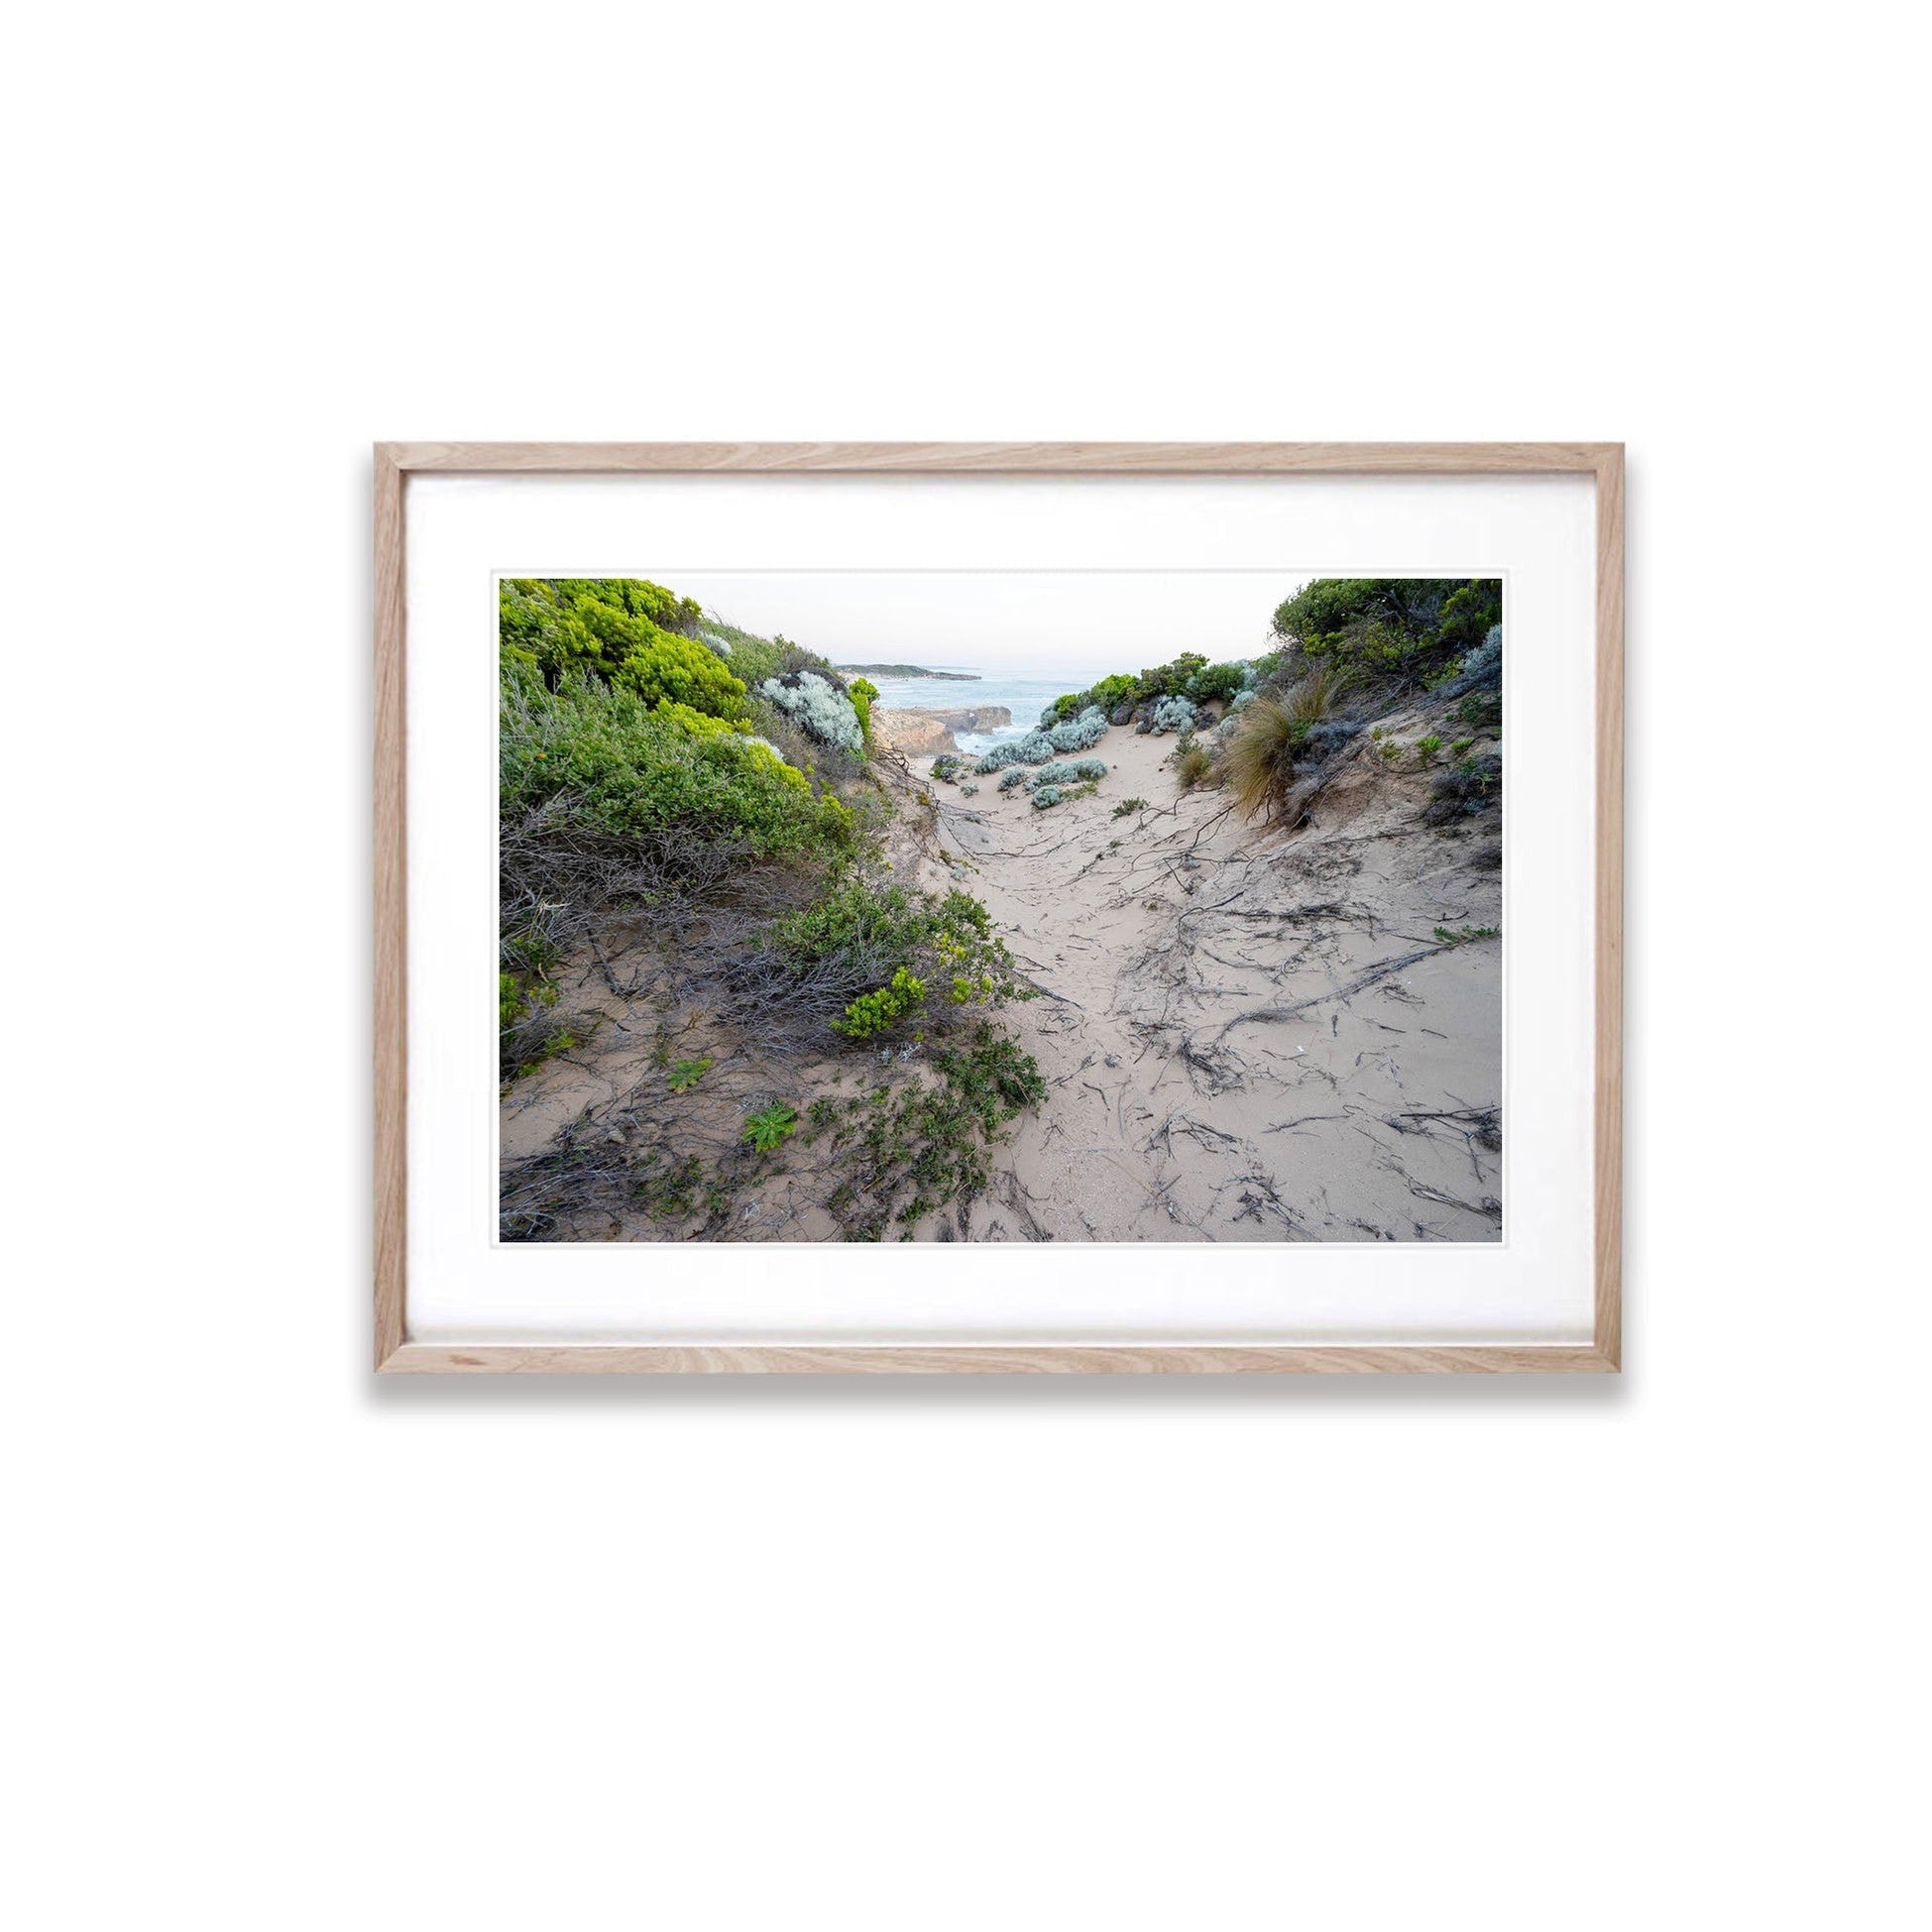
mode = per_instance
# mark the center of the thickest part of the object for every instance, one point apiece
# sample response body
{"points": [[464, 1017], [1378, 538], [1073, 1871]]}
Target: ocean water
{"points": [[1026, 695]]}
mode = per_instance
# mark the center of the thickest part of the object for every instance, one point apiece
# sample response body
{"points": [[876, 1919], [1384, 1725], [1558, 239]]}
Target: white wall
{"points": [[296, 1650]]}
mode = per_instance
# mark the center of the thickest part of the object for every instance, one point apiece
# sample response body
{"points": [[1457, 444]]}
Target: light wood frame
{"points": [[395, 462]]}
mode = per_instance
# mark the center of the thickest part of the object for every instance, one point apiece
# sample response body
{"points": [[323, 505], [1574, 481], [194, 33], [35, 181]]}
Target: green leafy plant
{"points": [[1128, 806], [770, 1126], [908, 1152], [687, 1074], [1217, 681], [1426, 748], [877, 1012], [1466, 935]]}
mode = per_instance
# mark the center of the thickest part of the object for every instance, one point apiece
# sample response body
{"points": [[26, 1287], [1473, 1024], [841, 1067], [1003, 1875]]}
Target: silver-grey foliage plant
{"points": [[1070, 771], [820, 707], [1080, 734], [1035, 749]]}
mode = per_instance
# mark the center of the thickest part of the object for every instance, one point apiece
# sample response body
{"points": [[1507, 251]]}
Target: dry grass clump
{"points": [[1193, 765], [1258, 757]]}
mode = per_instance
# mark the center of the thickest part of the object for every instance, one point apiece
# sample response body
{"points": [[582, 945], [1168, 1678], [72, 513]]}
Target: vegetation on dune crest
{"points": [[1415, 630]]}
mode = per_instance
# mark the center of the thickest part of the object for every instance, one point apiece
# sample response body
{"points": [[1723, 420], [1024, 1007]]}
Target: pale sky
{"points": [[1011, 620]]}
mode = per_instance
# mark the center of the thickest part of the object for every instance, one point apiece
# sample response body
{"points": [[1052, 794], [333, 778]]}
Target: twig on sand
{"points": [[1358, 984]]}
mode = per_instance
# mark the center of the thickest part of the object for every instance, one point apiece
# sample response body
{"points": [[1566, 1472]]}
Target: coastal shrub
{"points": [[530, 1030], [1035, 749], [1128, 806], [1015, 776], [862, 933], [1217, 681], [672, 670], [947, 768], [562, 625], [906, 1154], [1079, 734], [1068, 771], [1465, 790], [1047, 796], [598, 757], [818, 704], [1239, 703], [698, 723], [878, 1011], [1106, 695], [1481, 671], [1415, 630], [1175, 713], [1171, 679], [967, 790], [1426, 748], [864, 694]]}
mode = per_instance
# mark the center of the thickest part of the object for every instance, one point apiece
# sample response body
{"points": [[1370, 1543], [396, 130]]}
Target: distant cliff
{"points": [[909, 731]]}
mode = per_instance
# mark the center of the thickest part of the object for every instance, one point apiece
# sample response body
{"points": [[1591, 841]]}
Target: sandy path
{"points": [[1246, 1036]]}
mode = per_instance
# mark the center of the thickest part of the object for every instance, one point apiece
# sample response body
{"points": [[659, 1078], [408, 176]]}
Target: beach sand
{"points": [[1246, 1036]]}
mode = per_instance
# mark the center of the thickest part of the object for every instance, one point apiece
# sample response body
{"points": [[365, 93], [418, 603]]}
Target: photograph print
{"points": [[1100, 906]]}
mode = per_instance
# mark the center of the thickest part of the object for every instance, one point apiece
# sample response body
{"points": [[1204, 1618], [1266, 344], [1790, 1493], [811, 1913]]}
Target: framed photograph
{"points": [[998, 907]]}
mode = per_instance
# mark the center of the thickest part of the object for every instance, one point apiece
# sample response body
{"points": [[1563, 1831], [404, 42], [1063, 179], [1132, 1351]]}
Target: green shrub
{"points": [[670, 670], [879, 1012], [591, 625], [864, 694], [687, 1074], [602, 758], [907, 1153], [1413, 629], [1129, 805], [862, 933], [1426, 748], [1171, 679], [1217, 681], [1111, 691]]}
